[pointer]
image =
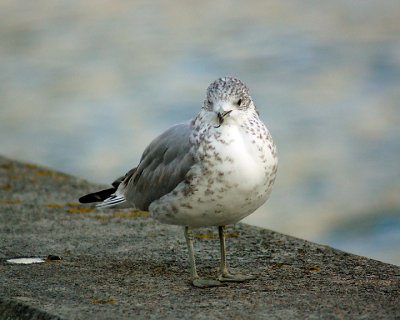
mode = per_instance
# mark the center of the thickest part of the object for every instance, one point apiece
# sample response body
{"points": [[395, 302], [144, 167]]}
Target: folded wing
{"points": [[163, 165]]}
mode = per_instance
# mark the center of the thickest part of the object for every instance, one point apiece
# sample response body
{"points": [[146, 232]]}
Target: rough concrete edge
{"points": [[359, 256], [11, 309], [50, 168]]}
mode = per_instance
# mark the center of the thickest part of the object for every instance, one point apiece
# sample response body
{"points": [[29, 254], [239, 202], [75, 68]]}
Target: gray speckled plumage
{"points": [[211, 171], [193, 172]]}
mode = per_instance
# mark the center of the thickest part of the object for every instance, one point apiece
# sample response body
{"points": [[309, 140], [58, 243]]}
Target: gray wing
{"points": [[118, 181], [163, 165]]}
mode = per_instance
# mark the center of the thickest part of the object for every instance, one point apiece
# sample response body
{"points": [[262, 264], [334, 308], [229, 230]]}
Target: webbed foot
{"points": [[206, 283], [228, 277]]}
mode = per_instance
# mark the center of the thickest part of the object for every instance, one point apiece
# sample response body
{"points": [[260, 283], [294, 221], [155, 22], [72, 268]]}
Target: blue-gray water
{"points": [[85, 86]]}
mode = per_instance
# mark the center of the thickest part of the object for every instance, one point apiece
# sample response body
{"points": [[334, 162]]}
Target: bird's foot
{"points": [[206, 283], [228, 277]]}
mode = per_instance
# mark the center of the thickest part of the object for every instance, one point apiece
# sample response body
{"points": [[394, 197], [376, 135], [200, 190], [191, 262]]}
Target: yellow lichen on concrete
{"points": [[81, 210], [52, 174], [205, 236], [8, 166], [54, 205], [232, 235], [209, 236], [313, 269], [73, 204], [45, 173], [104, 301], [276, 267], [12, 201]]}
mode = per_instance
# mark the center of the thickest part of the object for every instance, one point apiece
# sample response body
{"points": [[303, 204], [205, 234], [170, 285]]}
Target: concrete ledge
{"points": [[124, 265], [10, 309]]}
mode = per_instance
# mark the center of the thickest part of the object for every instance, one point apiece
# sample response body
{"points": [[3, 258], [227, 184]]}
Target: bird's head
{"points": [[228, 98]]}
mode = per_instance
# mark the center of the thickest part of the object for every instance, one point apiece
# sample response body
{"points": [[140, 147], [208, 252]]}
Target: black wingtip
{"points": [[97, 196]]}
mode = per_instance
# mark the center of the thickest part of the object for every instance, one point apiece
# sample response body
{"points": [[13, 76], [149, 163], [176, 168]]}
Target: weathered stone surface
{"points": [[123, 265]]}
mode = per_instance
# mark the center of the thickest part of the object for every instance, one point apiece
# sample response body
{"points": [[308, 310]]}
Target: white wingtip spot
{"points": [[111, 202]]}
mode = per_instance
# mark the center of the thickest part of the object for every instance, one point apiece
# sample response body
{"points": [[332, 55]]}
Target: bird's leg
{"points": [[224, 274], [189, 241], [196, 281]]}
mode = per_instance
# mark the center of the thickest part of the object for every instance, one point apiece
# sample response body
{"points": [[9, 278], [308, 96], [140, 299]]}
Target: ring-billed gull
{"points": [[211, 171]]}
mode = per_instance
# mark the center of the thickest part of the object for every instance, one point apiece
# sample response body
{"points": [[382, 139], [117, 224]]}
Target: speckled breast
{"points": [[235, 170]]}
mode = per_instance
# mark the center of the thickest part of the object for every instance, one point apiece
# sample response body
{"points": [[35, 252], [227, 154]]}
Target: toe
{"points": [[235, 277], [206, 283]]}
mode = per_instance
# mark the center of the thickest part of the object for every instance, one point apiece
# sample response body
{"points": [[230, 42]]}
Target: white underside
{"points": [[241, 189]]}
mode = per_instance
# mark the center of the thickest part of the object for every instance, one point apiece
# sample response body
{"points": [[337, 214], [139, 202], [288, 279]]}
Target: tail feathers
{"points": [[112, 201], [97, 196]]}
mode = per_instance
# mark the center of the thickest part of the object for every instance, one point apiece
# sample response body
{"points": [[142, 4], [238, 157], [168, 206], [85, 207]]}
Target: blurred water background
{"points": [[85, 86]]}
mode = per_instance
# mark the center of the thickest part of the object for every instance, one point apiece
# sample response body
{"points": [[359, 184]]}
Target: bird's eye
{"points": [[239, 102]]}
